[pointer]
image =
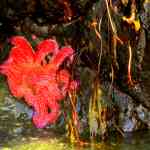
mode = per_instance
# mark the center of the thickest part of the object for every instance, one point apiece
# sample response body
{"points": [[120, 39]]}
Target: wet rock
{"points": [[133, 116], [15, 116], [31, 26], [128, 125], [145, 17], [4, 136]]}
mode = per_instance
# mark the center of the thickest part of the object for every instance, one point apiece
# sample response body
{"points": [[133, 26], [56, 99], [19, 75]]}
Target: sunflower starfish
{"points": [[42, 84]]}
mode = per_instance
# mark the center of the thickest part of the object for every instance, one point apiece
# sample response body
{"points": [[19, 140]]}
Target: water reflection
{"points": [[136, 141]]}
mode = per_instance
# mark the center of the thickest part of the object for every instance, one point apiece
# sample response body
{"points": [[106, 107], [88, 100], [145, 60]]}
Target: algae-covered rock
{"points": [[15, 116]]}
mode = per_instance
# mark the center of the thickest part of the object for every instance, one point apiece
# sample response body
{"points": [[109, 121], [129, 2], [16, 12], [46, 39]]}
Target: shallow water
{"points": [[136, 141]]}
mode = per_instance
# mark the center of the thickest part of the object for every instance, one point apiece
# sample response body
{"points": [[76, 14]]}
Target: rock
{"points": [[133, 117], [128, 125]]}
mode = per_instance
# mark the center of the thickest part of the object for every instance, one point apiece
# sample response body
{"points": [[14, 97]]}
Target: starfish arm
{"points": [[44, 48], [14, 89], [63, 80], [41, 117], [19, 57], [64, 53], [40, 121], [21, 48], [40, 110], [65, 83], [30, 98], [14, 80], [74, 85], [55, 111], [20, 53]]}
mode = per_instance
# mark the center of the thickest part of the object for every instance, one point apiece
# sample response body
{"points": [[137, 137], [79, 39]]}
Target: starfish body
{"points": [[42, 85]]}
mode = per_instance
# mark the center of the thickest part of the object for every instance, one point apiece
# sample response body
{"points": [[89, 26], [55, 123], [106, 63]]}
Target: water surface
{"points": [[135, 141]]}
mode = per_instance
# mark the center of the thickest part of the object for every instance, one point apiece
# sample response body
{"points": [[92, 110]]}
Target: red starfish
{"points": [[41, 84]]}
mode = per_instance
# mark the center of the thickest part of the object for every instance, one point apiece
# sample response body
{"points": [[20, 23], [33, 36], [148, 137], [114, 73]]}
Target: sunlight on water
{"points": [[136, 141]]}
